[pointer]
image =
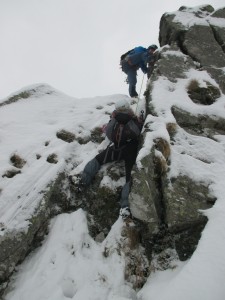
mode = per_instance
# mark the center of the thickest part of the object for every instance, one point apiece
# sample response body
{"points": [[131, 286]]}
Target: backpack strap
{"points": [[107, 151], [124, 55], [119, 135], [114, 150], [117, 150]]}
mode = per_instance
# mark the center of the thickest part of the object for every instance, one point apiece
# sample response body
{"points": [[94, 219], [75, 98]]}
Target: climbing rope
{"points": [[141, 85], [140, 93]]}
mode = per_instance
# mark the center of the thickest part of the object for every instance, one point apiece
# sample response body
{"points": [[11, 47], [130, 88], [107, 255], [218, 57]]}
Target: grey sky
{"points": [[75, 45]]}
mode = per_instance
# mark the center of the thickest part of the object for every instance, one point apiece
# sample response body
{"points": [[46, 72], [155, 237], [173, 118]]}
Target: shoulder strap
{"points": [[119, 133]]}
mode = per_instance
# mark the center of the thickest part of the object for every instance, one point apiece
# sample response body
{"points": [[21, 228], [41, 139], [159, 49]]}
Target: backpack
{"points": [[136, 50], [122, 128]]}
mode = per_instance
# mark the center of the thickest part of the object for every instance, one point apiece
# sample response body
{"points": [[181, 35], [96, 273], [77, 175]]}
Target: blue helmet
{"points": [[153, 46]]}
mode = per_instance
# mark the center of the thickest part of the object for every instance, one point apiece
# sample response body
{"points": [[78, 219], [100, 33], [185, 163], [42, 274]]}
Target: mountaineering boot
{"points": [[125, 213], [77, 183], [133, 92], [83, 180]]}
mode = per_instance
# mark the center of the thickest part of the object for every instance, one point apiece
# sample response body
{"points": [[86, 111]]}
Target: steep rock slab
{"points": [[145, 197], [199, 34], [219, 32], [204, 46], [186, 55], [173, 63], [184, 200], [16, 244]]}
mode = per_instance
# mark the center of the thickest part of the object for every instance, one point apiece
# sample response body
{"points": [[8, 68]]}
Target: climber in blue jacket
{"points": [[131, 61]]}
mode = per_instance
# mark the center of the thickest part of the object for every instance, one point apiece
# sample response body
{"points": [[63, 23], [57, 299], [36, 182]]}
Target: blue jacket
{"points": [[136, 50], [138, 60]]}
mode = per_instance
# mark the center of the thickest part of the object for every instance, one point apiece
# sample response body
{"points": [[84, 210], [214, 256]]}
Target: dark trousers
{"points": [[128, 153], [132, 81], [131, 78]]}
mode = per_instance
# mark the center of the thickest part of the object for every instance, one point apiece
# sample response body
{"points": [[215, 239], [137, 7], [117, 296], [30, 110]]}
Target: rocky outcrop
{"points": [[172, 205], [201, 38], [167, 199], [16, 244]]}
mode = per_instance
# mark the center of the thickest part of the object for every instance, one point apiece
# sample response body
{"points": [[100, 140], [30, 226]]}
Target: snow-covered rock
{"points": [[178, 182]]}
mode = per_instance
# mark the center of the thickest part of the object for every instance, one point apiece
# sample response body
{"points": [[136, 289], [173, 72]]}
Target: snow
{"points": [[70, 264], [202, 159], [219, 22], [190, 17], [28, 128]]}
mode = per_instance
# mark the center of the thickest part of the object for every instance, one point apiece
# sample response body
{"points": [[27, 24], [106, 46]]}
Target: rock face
{"points": [[192, 40], [167, 198], [201, 38]]}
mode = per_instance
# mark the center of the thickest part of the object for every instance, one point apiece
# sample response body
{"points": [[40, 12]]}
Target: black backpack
{"points": [[125, 54], [122, 128], [136, 50]]}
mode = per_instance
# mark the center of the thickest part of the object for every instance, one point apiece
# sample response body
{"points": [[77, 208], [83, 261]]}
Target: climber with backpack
{"points": [[123, 131], [134, 59]]}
